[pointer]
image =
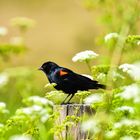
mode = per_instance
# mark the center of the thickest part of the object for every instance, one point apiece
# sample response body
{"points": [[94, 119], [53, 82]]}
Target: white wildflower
{"points": [[127, 138], [138, 43], [3, 31], [33, 112], [44, 118], [95, 98], [39, 100], [3, 108], [116, 75], [126, 122], [110, 134], [16, 40], [101, 76], [126, 67], [84, 56], [36, 108], [29, 110], [132, 69], [26, 111], [44, 115], [2, 105], [22, 22], [1, 125], [111, 36], [3, 79], [20, 137], [131, 92], [91, 125], [126, 108]]}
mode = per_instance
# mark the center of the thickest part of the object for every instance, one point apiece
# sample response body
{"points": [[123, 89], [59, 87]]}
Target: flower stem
{"points": [[88, 65], [117, 53]]}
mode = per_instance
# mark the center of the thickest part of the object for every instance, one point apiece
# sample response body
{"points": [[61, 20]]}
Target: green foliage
{"points": [[15, 45], [23, 23], [7, 49], [28, 120], [117, 108]]}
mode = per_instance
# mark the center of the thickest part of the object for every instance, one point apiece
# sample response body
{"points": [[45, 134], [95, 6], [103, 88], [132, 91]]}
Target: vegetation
{"points": [[28, 114]]}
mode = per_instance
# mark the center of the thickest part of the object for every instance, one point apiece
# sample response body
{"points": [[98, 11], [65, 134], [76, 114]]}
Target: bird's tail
{"points": [[92, 84], [96, 86], [100, 86]]}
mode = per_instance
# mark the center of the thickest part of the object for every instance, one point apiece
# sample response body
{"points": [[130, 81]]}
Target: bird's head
{"points": [[47, 66]]}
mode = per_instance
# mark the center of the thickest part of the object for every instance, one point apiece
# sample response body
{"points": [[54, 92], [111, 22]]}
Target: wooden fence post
{"points": [[74, 132]]}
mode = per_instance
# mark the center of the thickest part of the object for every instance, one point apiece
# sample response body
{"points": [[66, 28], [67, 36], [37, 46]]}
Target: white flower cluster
{"points": [[39, 100], [38, 109], [132, 69], [126, 108], [138, 43], [116, 75], [1, 125], [17, 40], [3, 31], [84, 56], [95, 98], [131, 92], [111, 36], [20, 137], [22, 22], [33, 112], [126, 122], [3, 108], [2, 105], [91, 125], [127, 138], [4, 78], [101, 76], [110, 134]]}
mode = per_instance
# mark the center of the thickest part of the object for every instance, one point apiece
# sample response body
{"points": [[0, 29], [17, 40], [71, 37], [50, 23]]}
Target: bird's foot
{"points": [[66, 103], [63, 103], [70, 103]]}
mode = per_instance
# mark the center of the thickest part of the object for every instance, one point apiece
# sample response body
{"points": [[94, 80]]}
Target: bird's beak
{"points": [[40, 68]]}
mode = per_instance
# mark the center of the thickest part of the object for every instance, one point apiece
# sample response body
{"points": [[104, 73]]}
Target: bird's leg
{"points": [[70, 98], [65, 99]]}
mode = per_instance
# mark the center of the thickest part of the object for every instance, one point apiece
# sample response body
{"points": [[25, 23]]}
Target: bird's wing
{"points": [[72, 79]]}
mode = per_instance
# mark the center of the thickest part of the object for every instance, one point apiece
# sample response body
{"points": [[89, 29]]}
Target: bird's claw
{"points": [[66, 103]]}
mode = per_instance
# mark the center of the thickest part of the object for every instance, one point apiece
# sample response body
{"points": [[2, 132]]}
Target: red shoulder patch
{"points": [[61, 72]]}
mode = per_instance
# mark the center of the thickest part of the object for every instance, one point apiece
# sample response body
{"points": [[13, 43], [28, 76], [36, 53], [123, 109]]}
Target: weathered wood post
{"points": [[79, 110]]}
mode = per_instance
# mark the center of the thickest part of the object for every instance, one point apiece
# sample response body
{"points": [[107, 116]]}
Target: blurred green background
{"points": [[56, 30], [62, 29]]}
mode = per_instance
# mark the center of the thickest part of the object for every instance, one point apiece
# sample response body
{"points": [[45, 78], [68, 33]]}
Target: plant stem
{"points": [[117, 53], [88, 64]]}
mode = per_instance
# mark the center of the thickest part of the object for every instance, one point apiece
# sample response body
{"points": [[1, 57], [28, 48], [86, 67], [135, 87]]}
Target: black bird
{"points": [[67, 80]]}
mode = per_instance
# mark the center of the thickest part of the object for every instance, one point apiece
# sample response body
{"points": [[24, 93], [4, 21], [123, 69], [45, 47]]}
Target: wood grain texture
{"points": [[74, 132]]}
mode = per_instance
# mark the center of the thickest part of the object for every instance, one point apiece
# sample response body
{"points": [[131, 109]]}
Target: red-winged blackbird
{"points": [[67, 80]]}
